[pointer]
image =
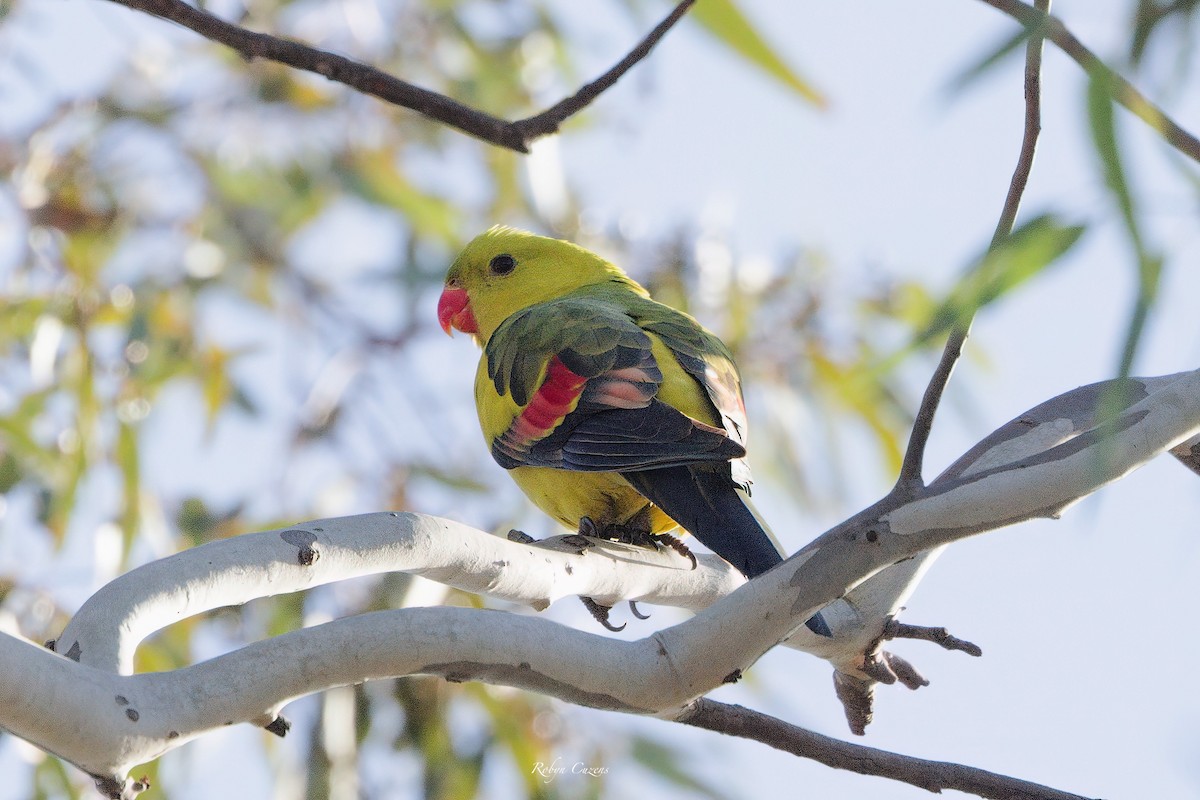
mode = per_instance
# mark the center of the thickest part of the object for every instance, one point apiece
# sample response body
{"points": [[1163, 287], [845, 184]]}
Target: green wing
{"points": [[585, 378], [590, 337], [703, 356]]}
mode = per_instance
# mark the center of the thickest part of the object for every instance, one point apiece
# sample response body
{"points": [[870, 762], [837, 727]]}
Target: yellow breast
{"points": [[567, 496], [606, 497]]}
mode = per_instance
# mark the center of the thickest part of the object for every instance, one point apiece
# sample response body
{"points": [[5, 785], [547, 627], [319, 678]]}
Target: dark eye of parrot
{"points": [[503, 264]]}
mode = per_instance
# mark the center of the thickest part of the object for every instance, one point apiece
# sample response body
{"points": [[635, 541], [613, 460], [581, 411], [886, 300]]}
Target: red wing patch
{"points": [[630, 387], [554, 399], [563, 392]]}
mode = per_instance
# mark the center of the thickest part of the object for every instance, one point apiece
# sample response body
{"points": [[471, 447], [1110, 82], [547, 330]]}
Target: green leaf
{"points": [[724, 20], [129, 462], [16, 435], [1149, 17], [1148, 264], [1027, 252], [974, 72], [1006, 48], [53, 780], [453, 480], [1104, 137], [10, 472], [375, 176], [666, 763]]}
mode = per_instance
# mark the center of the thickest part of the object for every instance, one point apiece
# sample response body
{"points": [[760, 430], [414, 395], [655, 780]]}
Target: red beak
{"points": [[454, 311]]}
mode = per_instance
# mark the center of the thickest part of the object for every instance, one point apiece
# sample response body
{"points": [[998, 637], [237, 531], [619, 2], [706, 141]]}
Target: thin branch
{"points": [[933, 776], [1029, 137], [251, 45], [1041, 23], [368, 80], [911, 469], [548, 121], [941, 636], [663, 674], [108, 628]]}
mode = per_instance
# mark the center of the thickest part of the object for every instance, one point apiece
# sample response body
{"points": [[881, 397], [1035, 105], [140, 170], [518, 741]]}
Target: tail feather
{"points": [[706, 502]]}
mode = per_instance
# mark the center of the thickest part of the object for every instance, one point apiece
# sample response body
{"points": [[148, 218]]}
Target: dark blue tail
{"points": [[705, 502]]}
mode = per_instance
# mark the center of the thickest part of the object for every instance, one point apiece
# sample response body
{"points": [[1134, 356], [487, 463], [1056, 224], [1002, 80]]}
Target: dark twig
{"points": [[914, 457], [887, 668], [905, 672], [901, 630], [547, 122], [857, 696], [1038, 20], [368, 80], [933, 776], [1029, 137]]}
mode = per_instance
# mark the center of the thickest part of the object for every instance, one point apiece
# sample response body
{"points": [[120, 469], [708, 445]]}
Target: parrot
{"points": [[615, 414]]}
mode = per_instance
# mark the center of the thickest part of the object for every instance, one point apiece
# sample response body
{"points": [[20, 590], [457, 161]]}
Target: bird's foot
{"points": [[630, 534], [520, 537], [635, 533], [600, 614], [676, 544], [589, 527], [615, 532]]}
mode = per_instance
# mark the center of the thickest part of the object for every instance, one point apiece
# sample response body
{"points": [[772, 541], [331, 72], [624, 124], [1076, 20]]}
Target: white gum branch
{"points": [[94, 714], [108, 628]]}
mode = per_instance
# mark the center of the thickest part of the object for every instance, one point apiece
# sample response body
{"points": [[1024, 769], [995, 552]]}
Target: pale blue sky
{"points": [[1085, 622], [1076, 617]]}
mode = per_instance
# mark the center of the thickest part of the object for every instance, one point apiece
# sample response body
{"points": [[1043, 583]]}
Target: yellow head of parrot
{"points": [[505, 270]]}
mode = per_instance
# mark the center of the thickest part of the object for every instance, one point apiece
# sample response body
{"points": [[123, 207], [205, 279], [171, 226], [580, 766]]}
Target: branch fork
{"points": [[858, 569]]}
